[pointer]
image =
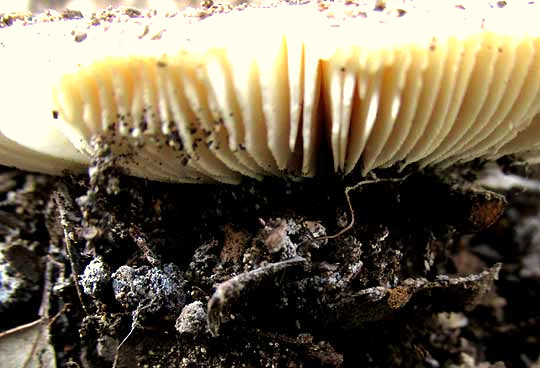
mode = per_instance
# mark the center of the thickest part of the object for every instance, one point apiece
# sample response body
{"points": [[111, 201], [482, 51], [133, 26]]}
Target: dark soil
{"points": [[269, 274]]}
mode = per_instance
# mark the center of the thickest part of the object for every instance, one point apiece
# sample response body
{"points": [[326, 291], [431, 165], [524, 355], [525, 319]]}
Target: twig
{"points": [[43, 309], [47, 286], [69, 246], [21, 328]]}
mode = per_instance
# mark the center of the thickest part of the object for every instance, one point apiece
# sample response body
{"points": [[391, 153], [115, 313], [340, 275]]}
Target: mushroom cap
{"points": [[274, 91]]}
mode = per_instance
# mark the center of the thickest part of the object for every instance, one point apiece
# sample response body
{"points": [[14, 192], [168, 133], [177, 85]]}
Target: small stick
{"points": [[69, 246]]}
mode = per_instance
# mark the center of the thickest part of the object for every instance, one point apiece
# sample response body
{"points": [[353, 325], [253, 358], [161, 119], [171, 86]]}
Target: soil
{"points": [[274, 273]]}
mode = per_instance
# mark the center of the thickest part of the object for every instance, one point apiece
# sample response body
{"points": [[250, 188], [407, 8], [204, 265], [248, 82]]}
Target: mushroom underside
{"points": [[218, 103]]}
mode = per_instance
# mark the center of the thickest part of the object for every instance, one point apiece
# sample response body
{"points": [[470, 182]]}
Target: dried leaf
{"points": [[28, 346]]}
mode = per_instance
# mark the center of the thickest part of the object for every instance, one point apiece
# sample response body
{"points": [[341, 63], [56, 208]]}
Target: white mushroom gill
{"points": [[270, 91]]}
